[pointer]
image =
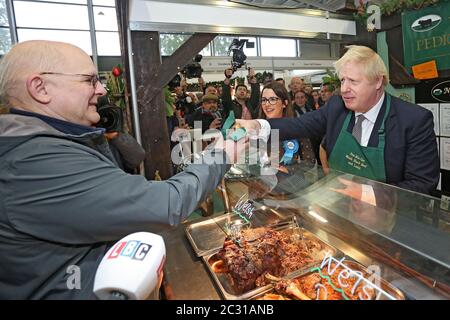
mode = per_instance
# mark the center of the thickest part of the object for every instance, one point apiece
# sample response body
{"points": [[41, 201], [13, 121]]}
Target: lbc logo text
{"points": [[133, 249]]}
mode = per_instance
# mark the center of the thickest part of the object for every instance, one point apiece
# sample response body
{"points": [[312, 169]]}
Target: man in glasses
{"points": [[63, 200]]}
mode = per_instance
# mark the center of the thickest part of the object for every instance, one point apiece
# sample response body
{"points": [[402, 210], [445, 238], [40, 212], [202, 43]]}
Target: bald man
{"points": [[297, 84], [64, 201]]}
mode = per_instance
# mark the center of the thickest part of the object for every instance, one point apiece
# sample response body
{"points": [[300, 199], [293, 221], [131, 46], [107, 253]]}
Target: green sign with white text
{"points": [[426, 36]]}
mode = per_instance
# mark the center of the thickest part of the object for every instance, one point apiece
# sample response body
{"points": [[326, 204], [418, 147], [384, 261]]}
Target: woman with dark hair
{"points": [[276, 103], [316, 97]]}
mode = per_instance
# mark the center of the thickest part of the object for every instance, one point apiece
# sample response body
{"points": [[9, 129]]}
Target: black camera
{"points": [[193, 69], [239, 57], [111, 118], [185, 104], [267, 77], [175, 82]]}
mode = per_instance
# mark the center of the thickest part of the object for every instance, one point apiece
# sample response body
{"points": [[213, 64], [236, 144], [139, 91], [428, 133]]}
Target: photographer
{"points": [[209, 113], [209, 89], [184, 103], [243, 108], [127, 152]]}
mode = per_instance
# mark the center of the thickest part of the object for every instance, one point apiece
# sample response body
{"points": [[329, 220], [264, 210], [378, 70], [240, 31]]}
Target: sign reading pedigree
{"points": [[426, 36]]}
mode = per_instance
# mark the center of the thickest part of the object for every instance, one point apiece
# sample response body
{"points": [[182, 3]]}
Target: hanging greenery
{"points": [[195, 87], [390, 7], [393, 6], [332, 79]]}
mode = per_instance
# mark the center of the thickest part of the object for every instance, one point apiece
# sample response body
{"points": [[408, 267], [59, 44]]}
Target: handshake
{"points": [[235, 136], [232, 130]]}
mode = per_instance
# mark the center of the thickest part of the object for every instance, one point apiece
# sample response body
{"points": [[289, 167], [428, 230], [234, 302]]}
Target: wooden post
{"points": [[152, 115], [151, 76]]}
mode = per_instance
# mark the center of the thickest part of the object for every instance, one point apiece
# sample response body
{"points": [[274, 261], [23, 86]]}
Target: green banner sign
{"points": [[426, 36]]}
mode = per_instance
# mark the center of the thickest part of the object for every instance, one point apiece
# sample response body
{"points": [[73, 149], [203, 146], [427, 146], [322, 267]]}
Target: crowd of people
{"points": [[213, 104]]}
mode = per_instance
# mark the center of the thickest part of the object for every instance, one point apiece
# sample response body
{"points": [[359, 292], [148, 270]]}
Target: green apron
{"points": [[349, 156]]}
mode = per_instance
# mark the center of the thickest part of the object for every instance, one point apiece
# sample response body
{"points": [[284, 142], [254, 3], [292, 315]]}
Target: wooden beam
{"points": [[150, 99], [184, 54], [151, 75]]}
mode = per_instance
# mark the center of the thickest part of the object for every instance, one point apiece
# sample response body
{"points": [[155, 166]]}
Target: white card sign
{"points": [[445, 153], [445, 119], [434, 108]]}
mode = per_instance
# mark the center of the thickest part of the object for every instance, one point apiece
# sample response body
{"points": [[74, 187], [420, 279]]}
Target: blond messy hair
{"points": [[372, 64]]}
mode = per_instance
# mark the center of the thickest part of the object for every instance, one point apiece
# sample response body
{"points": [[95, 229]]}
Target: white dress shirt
{"points": [[369, 121]]}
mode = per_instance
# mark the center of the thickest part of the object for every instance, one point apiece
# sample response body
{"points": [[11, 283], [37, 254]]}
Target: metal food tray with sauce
{"points": [[271, 294], [208, 236], [224, 281]]}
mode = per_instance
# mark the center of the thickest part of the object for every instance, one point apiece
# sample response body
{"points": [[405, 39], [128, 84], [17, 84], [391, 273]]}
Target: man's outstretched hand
{"points": [[234, 150]]}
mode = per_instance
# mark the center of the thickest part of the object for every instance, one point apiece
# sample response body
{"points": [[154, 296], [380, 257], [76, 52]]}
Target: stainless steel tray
{"points": [[208, 236], [355, 266], [224, 280], [237, 172]]}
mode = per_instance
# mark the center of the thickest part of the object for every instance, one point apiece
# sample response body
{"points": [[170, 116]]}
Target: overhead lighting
{"points": [[308, 72]]}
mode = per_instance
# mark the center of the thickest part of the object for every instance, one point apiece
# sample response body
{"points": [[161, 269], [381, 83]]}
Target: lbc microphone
{"points": [[132, 268]]}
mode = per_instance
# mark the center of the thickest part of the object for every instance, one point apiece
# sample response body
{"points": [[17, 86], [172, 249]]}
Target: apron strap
{"points": [[386, 113]]}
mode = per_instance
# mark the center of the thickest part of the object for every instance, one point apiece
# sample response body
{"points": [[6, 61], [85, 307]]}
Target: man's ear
{"points": [[379, 83], [37, 90]]}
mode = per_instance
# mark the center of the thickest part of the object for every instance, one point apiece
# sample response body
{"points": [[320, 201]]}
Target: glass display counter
{"points": [[297, 233]]}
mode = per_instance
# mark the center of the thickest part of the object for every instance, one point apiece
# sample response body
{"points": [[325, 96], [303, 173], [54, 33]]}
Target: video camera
{"points": [[267, 77], [111, 118], [175, 82], [239, 57], [185, 104], [193, 69]]}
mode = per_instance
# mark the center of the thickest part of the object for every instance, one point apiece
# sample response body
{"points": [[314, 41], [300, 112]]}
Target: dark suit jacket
{"points": [[300, 111], [410, 154]]}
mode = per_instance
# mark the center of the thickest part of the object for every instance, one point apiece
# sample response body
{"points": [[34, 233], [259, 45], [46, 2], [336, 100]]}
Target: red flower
{"points": [[116, 71]]}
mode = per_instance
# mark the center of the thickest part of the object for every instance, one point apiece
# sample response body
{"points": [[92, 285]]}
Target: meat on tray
{"points": [[272, 252], [314, 286]]}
